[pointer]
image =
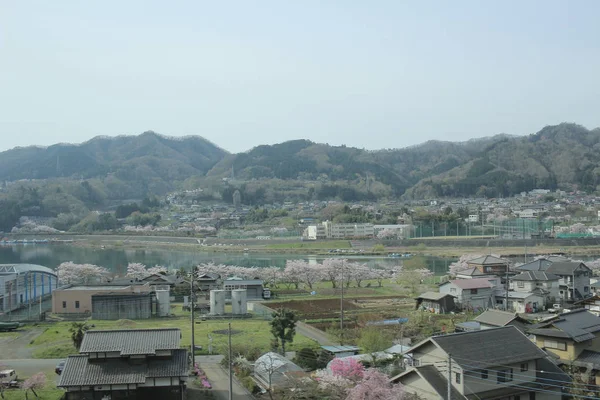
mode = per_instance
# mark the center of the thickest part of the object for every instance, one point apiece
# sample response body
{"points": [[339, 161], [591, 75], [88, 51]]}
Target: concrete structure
{"points": [[437, 303], [217, 302], [254, 287], [239, 305], [78, 299], [127, 364], [499, 363], [22, 284], [122, 305], [163, 300], [330, 230], [472, 294]]}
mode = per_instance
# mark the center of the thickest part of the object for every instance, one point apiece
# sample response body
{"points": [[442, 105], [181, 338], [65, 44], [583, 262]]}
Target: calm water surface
{"points": [[51, 255]]}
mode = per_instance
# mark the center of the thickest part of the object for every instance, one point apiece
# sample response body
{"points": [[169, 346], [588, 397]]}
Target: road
{"points": [[28, 367]]}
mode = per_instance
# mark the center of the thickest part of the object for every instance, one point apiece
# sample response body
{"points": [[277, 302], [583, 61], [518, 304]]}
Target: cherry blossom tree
{"points": [[306, 273], [340, 375], [332, 268], [157, 270], [36, 382], [348, 367], [387, 234], [461, 264], [136, 271], [70, 273], [375, 385], [272, 276]]}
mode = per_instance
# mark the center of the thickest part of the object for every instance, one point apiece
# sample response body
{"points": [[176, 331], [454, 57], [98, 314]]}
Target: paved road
{"points": [[219, 379]]}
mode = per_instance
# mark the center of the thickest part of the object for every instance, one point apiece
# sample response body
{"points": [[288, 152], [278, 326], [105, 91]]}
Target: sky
{"points": [[380, 74]]}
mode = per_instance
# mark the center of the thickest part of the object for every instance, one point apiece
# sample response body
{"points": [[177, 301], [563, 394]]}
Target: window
{"points": [[504, 375], [524, 367], [452, 290], [473, 291], [64, 304], [520, 284], [77, 304], [484, 374], [457, 377], [553, 344], [586, 289]]}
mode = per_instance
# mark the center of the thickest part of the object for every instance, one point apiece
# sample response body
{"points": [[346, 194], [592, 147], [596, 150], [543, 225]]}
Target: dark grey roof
{"points": [[487, 260], [564, 268], [233, 282], [211, 276], [433, 296], [131, 341], [588, 356], [438, 382], [535, 276], [537, 265], [495, 317], [80, 371], [578, 325], [470, 272], [489, 347]]}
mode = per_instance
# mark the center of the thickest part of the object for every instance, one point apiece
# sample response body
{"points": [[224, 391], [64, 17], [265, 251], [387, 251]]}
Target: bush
{"points": [[307, 359], [250, 385]]}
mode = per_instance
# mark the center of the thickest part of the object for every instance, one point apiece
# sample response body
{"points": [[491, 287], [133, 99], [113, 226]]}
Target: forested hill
{"points": [[104, 169], [151, 162]]}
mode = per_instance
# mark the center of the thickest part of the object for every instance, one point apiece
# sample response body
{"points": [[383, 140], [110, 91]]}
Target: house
{"points": [[521, 302], [592, 304], [490, 265], [473, 294], [537, 265], [496, 318], [541, 283], [500, 363], [574, 280], [78, 299], [153, 280], [573, 337], [471, 273], [273, 370], [437, 303], [208, 281], [127, 364], [22, 284]]}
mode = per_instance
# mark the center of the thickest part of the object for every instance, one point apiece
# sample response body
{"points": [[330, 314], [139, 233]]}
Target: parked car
{"points": [[59, 367], [8, 378]]}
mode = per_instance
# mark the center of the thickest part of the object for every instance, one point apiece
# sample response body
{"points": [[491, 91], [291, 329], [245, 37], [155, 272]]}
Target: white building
{"points": [[473, 218], [330, 230], [22, 284], [476, 294]]}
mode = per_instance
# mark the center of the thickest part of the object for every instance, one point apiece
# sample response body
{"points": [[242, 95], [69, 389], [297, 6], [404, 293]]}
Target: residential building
{"points": [[473, 294], [490, 265], [254, 287], [573, 337], [490, 319], [78, 299], [274, 371], [435, 302], [127, 364], [500, 363], [540, 283], [574, 280], [22, 284], [341, 351], [471, 273], [521, 302], [330, 230], [208, 281]]}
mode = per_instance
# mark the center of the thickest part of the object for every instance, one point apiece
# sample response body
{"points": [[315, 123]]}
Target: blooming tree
{"points": [[375, 385], [340, 375], [348, 367], [69, 273], [136, 271], [461, 264], [387, 234], [305, 272], [36, 382]]}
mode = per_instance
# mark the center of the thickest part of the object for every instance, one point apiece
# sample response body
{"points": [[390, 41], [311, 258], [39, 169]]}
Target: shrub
{"points": [[250, 385], [307, 359]]}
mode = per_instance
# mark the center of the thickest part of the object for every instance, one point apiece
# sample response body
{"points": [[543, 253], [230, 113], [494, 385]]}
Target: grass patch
{"points": [[55, 341], [317, 245], [46, 394]]}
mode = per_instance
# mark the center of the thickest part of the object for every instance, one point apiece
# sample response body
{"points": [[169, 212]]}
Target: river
{"points": [[116, 259]]}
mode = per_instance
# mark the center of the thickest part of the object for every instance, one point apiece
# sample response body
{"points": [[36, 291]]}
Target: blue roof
{"points": [[340, 349]]}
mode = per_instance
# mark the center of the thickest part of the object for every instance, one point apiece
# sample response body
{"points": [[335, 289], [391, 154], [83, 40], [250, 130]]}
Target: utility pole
{"points": [[342, 308], [449, 394], [192, 318], [507, 286], [230, 366]]}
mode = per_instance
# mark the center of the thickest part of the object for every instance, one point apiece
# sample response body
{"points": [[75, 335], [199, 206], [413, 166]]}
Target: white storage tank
{"points": [[239, 303], [217, 302], [163, 300]]}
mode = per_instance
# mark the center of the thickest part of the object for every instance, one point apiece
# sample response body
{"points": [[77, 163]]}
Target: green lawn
{"points": [[314, 245], [55, 341], [50, 392]]}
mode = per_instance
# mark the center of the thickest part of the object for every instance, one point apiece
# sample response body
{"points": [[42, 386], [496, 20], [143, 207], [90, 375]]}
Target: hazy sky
{"points": [[372, 74]]}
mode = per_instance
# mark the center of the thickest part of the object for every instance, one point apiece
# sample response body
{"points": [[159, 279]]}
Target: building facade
{"points": [[22, 284], [78, 299]]}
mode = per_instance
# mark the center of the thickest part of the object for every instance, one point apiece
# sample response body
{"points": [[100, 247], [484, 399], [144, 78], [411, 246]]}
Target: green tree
{"points": [[307, 359], [373, 340], [78, 330], [283, 326]]}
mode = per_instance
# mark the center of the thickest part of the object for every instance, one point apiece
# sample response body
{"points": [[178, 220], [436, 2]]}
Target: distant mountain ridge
{"points": [[562, 156]]}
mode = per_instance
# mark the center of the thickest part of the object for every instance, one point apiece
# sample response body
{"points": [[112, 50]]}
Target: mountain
{"points": [[150, 162], [561, 156]]}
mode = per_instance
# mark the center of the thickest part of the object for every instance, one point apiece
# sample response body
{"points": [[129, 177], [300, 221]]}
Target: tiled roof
{"points": [[535, 276], [438, 382], [588, 356], [495, 317], [487, 260], [537, 265], [470, 272], [563, 268], [578, 325], [131, 341], [472, 283], [80, 371], [489, 347]]}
